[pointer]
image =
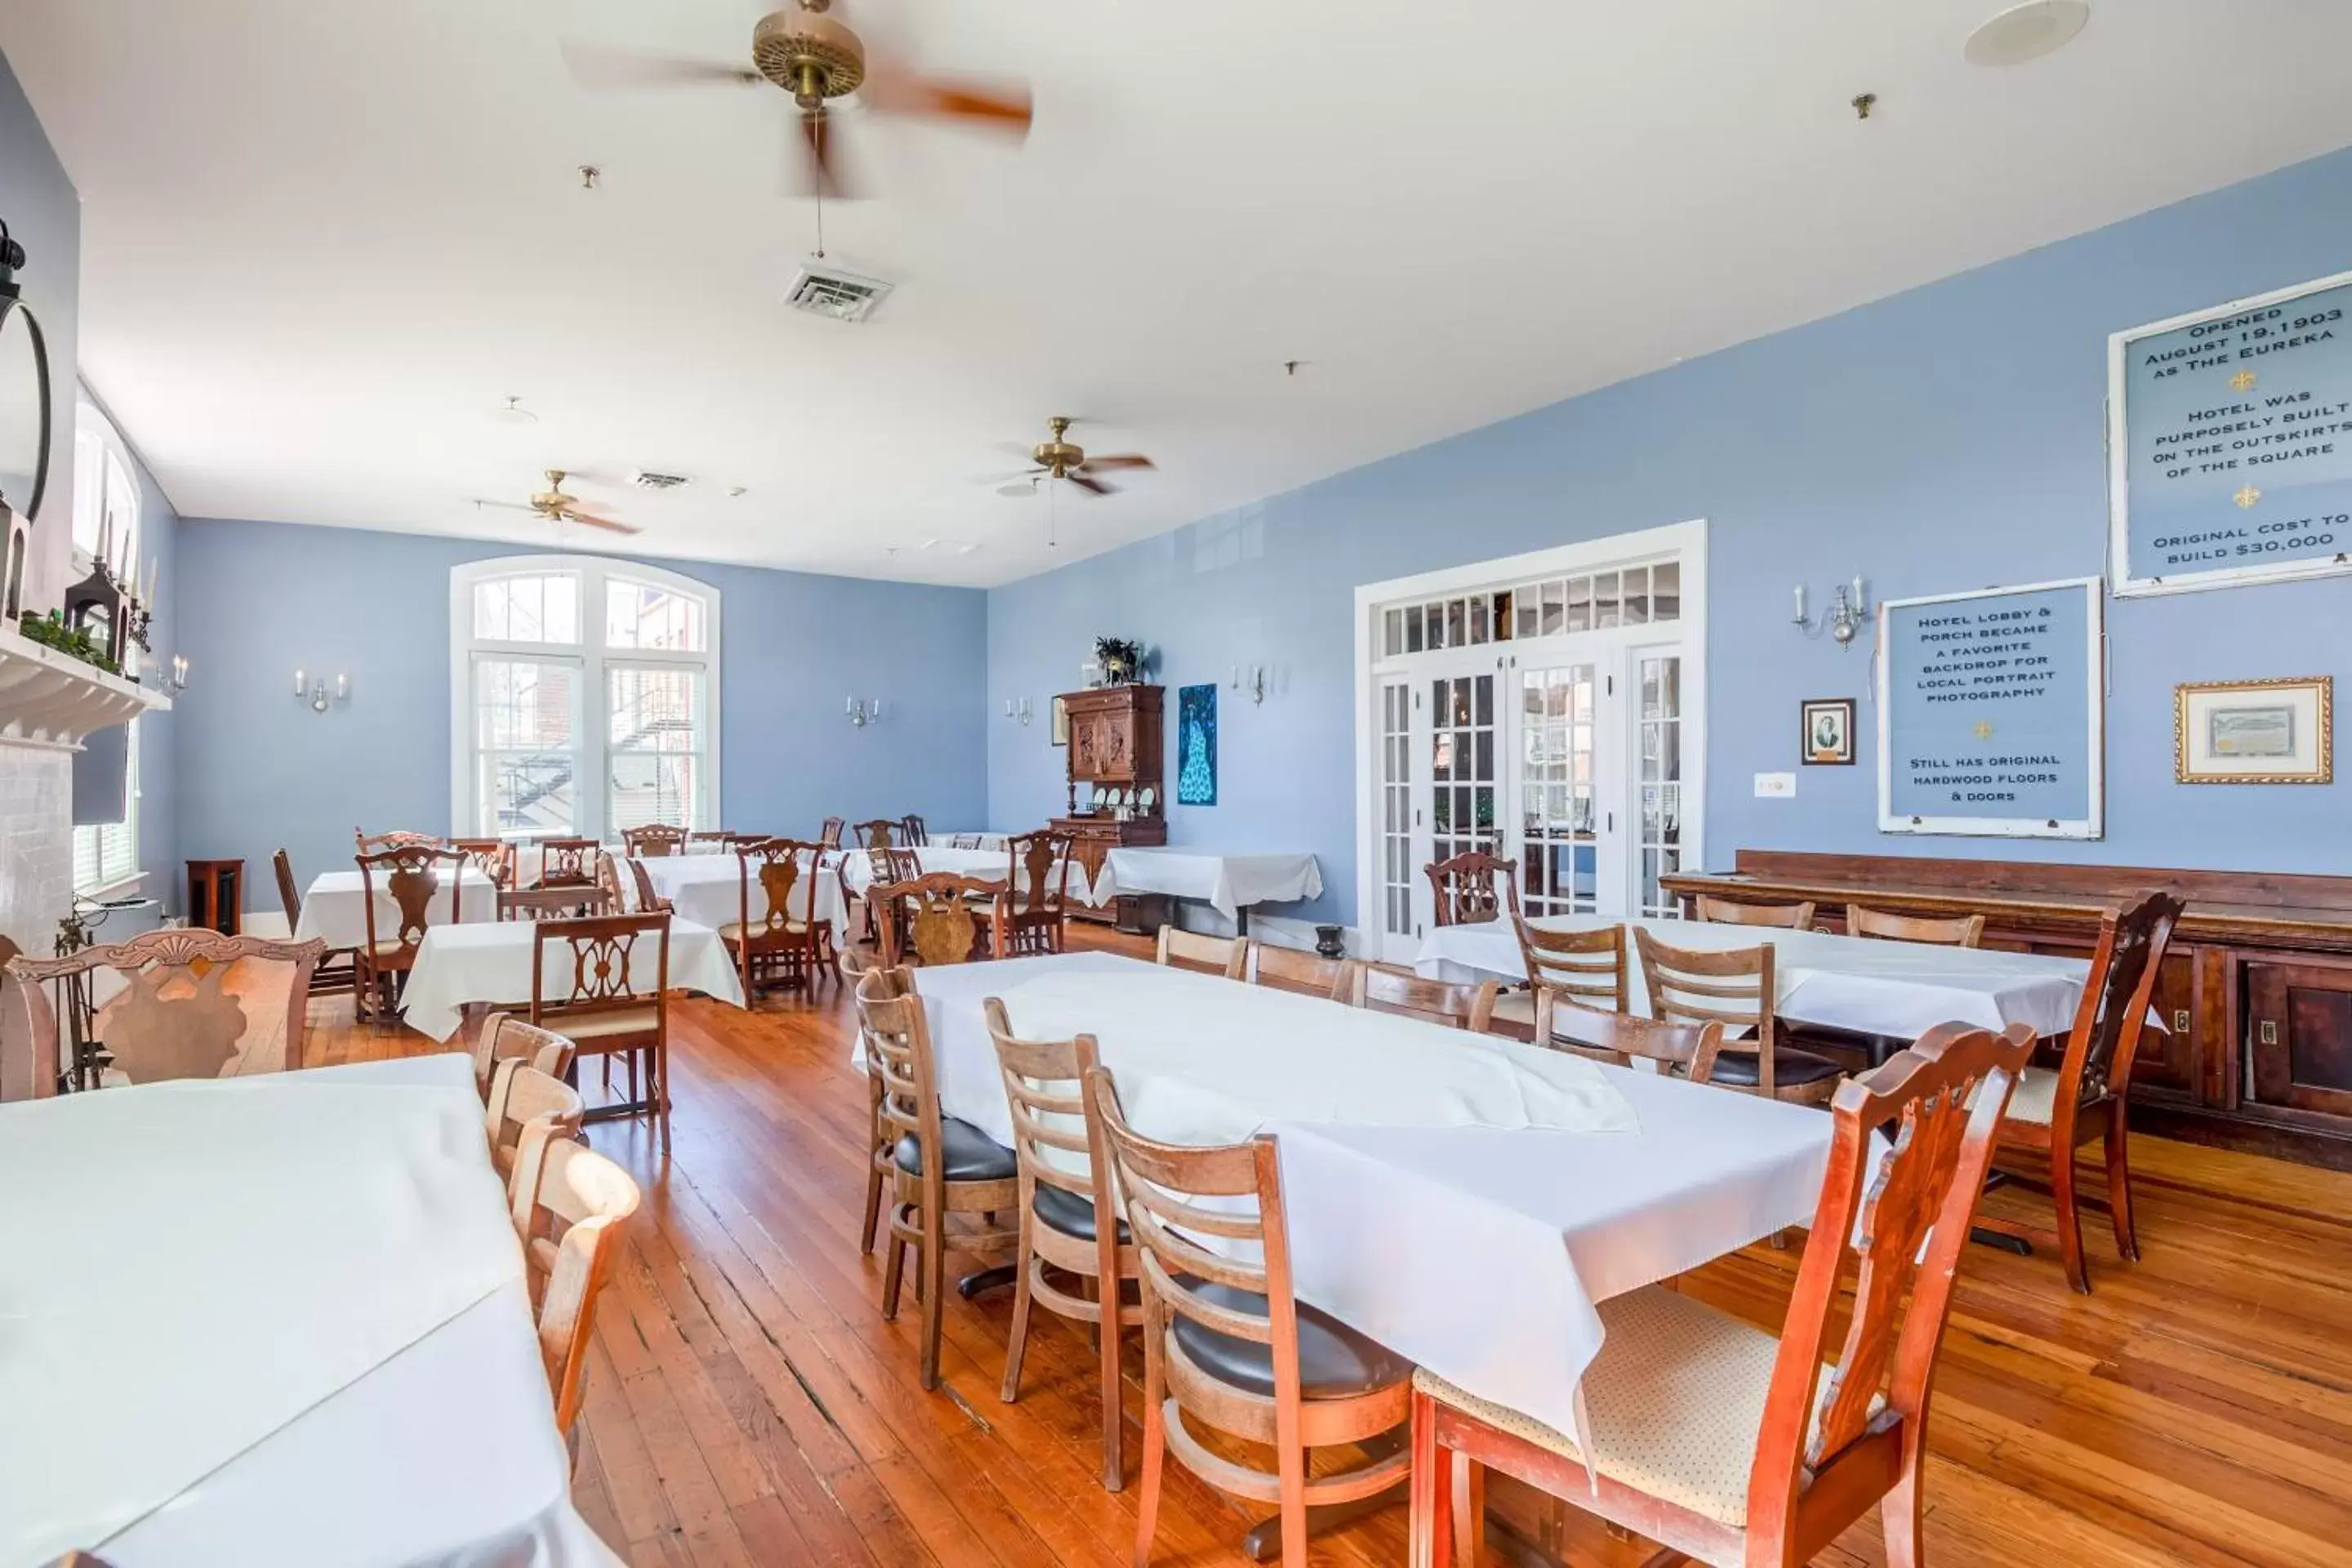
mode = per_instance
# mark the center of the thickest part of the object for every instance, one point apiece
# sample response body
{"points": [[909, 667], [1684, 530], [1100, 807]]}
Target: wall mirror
{"points": [[23, 408]]}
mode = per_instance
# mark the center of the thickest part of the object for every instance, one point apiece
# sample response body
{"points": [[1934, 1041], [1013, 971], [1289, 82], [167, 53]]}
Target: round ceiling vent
{"points": [[2027, 32]]}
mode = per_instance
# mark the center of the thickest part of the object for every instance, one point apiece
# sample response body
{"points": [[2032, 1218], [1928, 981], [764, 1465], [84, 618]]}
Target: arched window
{"points": [[583, 697]]}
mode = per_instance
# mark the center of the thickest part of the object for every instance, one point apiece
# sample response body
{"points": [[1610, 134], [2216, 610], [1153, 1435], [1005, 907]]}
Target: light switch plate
{"points": [[1776, 786]]}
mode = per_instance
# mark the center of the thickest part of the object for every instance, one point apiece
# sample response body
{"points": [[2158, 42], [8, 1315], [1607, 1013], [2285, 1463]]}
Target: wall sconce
{"points": [[1848, 609], [175, 678], [314, 691], [864, 711], [1017, 710], [1250, 678]]}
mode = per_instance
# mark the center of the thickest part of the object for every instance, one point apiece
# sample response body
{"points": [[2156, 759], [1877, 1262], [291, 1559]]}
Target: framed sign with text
{"points": [[2230, 443], [1992, 713]]}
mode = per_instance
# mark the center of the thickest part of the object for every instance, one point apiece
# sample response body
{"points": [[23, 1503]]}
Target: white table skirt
{"points": [[316, 1365], [709, 889], [333, 912], [987, 864], [1898, 990], [1229, 883], [1509, 1237], [457, 965]]}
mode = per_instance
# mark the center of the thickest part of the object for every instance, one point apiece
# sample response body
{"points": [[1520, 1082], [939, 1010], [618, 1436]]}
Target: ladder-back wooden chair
{"points": [[1474, 887], [332, 975], [653, 839], [493, 857], [1227, 1343], [1296, 969], [2053, 1113], [882, 1140], [1737, 989], [885, 864], [775, 936], [1731, 913], [571, 1203], [506, 1037], [1037, 906], [604, 984], [1383, 988], [412, 876], [1069, 1216], [1731, 1446], [1677, 1050], [941, 918], [1960, 930], [1181, 948], [1578, 969], [522, 1092]]}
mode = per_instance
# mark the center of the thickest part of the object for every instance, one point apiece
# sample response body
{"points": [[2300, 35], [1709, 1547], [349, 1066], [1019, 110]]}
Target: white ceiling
{"points": [[325, 238]]}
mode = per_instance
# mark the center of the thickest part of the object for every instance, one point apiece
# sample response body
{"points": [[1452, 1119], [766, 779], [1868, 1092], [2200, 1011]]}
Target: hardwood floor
{"points": [[747, 1404]]}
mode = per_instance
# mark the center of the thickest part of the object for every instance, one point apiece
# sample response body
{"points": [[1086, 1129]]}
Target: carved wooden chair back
{"points": [[938, 917], [376, 842], [1735, 989], [506, 1037], [916, 835], [716, 840], [1040, 875], [522, 1093], [610, 967], [1730, 913], [881, 834], [2107, 1023], [892, 863], [494, 857], [1961, 931], [1474, 887], [1178, 948], [654, 838], [831, 834], [1386, 989], [1296, 969], [648, 900], [567, 862], [1586, 967], [577, 1202], [1679, 1050], [194, 1004], [412, 875], [561, 902], [776, 888]]}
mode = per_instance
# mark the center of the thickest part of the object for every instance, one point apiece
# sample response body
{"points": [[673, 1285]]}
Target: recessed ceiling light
{"points": [[2027, 32]]}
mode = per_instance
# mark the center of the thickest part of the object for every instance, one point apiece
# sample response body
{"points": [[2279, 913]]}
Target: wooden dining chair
{"points": [[1296, 969], [568, 862], [1385, 988], [1731, 913], [1737, 989], [564, 901], [376, 842], [594, 982], [191, 1003], [332, 975], [505, 1037], [881, 834], [1474, 887], [881, 1139], [885, 864], [2055, 1113], [949, 1181], [493, 857], [916, 835], [1226, 1341], [653, 839], [940, 918], [1037, 900], [1676, 1050], [775, 937], [1579, 969], [648, 900], [577, 1201], [1723, 1443], [412, 874], [1069, 1216], [522, 1092], [830, 836], [1960, 930], [1181, 948]]}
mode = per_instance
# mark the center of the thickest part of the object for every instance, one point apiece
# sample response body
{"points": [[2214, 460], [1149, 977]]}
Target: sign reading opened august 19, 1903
{"points": [[1991, 712], [2230, 443]]}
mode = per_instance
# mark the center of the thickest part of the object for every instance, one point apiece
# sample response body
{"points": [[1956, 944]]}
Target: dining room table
{"points": [[1228, 883], [273, 1320], [492, 965], [987, 864], [334, 907], [709, 889], [1466, 1200]]}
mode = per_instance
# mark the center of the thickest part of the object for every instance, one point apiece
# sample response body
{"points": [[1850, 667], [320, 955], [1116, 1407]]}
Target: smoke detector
{"points": [[823, 289], [647, 480]]}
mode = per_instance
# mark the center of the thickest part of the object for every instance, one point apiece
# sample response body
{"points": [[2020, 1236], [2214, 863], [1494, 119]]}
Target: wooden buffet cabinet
{"points": [[2256, 991], [1115, 743]]}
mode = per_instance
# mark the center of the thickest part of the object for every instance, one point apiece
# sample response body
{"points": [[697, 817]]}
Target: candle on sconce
{"points": [[301, 685], [342, 687], [1801, 603], [1857, 592], [850, 706]]}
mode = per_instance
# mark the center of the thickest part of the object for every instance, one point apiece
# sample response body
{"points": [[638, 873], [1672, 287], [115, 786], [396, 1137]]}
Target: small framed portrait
{"points": [[2254, 731], [1061, 722], [1827, 723]]}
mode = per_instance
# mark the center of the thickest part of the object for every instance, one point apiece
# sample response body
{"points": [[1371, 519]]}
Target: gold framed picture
{"points": [[2278, 731]]}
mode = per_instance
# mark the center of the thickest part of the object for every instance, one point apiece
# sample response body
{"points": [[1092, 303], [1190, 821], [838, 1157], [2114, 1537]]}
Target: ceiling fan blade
{"points": [[503, 505], [1093, 486], [603, 69], [1119, 460], [1000, 106], [592, 521], [1023, 488], [1015, 449]]}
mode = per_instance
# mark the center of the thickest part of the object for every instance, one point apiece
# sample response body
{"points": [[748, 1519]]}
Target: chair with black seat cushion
{"points": [[1070, 1219], [1225, 1342], [942, 1168], [1735, 989], [1580, 971]]}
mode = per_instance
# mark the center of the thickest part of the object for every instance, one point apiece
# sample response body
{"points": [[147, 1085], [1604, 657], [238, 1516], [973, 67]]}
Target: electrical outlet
{"points": [[1776, 786]]}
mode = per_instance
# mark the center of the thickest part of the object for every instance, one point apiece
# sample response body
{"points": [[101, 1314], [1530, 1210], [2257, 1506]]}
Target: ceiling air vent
{"points": [[823, 289], [647, 480]]}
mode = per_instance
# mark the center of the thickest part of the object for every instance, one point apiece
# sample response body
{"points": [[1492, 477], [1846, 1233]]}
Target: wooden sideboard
{"points": [[2256, 991], [1115, 744]]}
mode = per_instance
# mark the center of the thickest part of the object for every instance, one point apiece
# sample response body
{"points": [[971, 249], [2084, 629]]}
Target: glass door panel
{"points": [[1397, 864], [1559, 838], [1462, 765], [1660, 725]]}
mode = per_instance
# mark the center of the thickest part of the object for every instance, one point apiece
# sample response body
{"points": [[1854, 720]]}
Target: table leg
{"points": [[1262, 1543]]}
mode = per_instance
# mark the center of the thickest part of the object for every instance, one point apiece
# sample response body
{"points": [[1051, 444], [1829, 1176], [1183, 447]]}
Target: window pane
{"points": [[643, 616], [1667, 592], [656, 709], [528, 753], [528, 609]]}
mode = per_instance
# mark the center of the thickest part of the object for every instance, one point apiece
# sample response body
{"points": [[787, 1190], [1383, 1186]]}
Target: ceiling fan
{"points": [[552, 504], [1056, 459], [816, 60]]}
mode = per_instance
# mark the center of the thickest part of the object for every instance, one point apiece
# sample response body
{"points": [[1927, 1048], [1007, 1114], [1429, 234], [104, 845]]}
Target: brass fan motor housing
{"points": [[809, 56], [1056, 452]]}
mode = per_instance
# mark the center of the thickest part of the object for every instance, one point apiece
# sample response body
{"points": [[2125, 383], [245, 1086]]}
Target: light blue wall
{"points": [[44, 214], [257, 770], [1945, 438]]}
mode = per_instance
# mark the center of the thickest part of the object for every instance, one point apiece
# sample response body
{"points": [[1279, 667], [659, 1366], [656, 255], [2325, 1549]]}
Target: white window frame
{"points": [[1685, 542], [591, 656], [106, 481]]}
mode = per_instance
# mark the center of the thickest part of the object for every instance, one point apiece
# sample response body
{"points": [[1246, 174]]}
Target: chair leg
{"points": [[635, 1098], [2119, 1201], [2069, 1216], [1016, 1338], [1155, 1448], [1107, 1337], [1469, 1498], [894, 1270], [872, 1203], [935, 1290], [1290, 1469], [1428, 1519], [1899, 1518]]}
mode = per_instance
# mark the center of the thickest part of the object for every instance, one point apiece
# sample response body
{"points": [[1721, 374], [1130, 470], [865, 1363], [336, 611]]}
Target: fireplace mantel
{"points": [[51, 700]]}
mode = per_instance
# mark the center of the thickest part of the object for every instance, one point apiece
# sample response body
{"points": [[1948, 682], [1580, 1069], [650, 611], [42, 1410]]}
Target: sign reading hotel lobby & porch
{"points": [[1991, 712], [2230, 443]]}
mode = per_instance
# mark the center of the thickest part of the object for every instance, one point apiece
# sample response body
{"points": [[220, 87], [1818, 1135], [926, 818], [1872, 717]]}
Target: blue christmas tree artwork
{"points": [[1196, 746]]}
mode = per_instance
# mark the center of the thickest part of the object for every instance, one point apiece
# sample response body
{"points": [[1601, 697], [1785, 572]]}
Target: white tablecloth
{"points": [[457, 965], [987, 864], [332, 910], [1475, 1251], [1898, 990], [288, 1308], [1228, 882], [709, 889]]}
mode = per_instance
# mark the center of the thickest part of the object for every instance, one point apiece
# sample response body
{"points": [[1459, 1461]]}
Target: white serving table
{"points": [[1868, 985], [274, 1320], [709, 889], [332, 910], [491, 963], [1474, 1241], [1228, 883], [987, 864]]}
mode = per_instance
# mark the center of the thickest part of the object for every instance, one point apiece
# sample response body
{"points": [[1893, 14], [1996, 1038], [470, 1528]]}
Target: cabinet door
{"points": [[1085, 745], [2299, 1035], [2167, 1065]]}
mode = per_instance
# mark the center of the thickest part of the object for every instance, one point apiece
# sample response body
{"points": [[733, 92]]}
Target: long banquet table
{"points": [[1466, 1200], [1893, 990], [457, 965], [272, 1321]]}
